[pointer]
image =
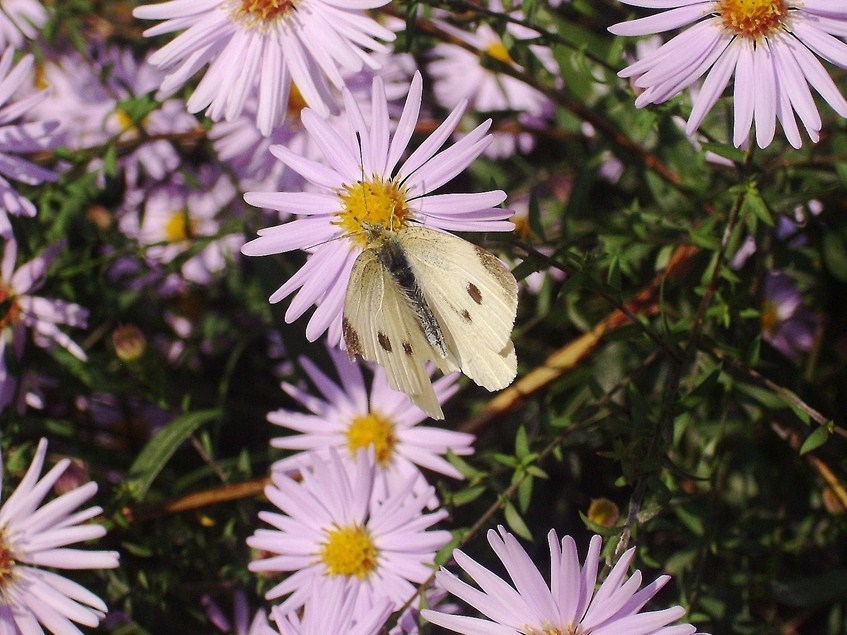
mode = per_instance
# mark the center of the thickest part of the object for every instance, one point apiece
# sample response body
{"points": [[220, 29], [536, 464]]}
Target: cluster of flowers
{"points": [[354, 531]]}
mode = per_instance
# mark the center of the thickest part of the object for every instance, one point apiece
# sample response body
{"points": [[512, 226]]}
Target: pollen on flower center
{"points": [[769, 317], [179, 227], [7, 562], [369, 204], [349, 551], [125, 123], [752, 18], [260, 13], [554, 630], [372, 429], [499, 52], [10, 309], [296, 102]]}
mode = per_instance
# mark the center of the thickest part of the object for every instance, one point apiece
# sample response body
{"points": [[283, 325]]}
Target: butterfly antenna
{"points": [[362, 166]]}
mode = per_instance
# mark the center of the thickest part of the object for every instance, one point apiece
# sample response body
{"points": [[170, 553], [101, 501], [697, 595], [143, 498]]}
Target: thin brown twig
{"points": [[198, 500]]}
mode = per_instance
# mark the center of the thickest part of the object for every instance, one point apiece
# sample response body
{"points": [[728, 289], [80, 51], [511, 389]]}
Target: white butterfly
{"points": [[418, 294]]}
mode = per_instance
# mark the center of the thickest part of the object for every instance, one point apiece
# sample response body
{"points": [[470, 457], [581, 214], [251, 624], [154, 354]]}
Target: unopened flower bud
{"points": [[129, 342]]}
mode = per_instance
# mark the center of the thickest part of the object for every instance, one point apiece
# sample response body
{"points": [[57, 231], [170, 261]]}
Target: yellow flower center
{"points": [[372, 429], [10, 309], [522, 226], [769, 317], [260, 14], [603, 512], [179, 227], [125, 124], [752, 19], [554, 630], [349, 551], [7, 563], [296, 103], [368, 204], [499, 52], [39, 80]]}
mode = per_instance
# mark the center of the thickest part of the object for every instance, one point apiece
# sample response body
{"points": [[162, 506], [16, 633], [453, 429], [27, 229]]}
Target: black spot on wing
{"points": [[384, 342], [407, 348], [466, 316], [351, 338], [475, 293]]}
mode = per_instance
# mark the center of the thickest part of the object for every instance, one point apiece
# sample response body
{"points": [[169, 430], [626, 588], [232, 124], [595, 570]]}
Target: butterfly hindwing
{"points": [[473, 296], [380, 326]]}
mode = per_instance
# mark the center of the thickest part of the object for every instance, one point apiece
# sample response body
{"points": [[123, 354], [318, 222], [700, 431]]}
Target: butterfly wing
{"points": [[473, 296], [380, 326]]}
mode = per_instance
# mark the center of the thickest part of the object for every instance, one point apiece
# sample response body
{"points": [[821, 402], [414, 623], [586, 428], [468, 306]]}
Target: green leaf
{"points": [[535, 216], [703, 389], [835, 255], [614, 276], [754, 352], [693, 522], [467, 495], [600, 530], [445, 553], [815, 440], [754, 204], [110, 161], [161, 448], [516, 522], [521, 443], [794, 402], [525, 493], [725, 151]]}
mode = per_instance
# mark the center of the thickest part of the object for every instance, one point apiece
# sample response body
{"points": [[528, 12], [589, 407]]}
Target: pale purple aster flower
{"points": [[349, 416], [31, 389], [172, 218], [76, 95], [334, 614], [246, 150], [120, 422], [241, 624], [569, 605], [332, 231], [243, 147], [786, 323], [768, 45], [262, 46], [86, 93], [20, 20], [459, 74], [334, 534], [22, 310], [33, 536], [19, 138]]}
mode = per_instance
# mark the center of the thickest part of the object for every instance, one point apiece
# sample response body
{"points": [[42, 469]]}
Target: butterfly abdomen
{"points": [[394, 259]]}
